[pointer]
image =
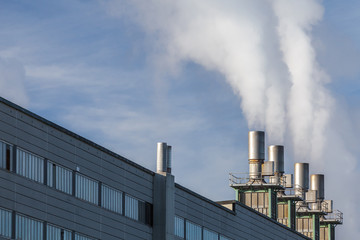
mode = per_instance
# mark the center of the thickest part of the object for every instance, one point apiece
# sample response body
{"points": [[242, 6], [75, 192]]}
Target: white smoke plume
{"points": [[264, 50]]}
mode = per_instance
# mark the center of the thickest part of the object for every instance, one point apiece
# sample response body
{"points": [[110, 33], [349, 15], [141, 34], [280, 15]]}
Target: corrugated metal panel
{"points": [[87, 189], [193, 231], [210, 235], [5, 223], [63, 179], [179, 227], [28, 229], [56, 233], [131, 207], [30, 165], [111, 199]]}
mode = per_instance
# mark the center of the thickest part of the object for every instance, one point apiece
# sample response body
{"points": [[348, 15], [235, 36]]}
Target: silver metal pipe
{"points": [[256, 145], [301, 177], [169, 159], [256, 153], [161, 161], [276, 155], [317, 183]]}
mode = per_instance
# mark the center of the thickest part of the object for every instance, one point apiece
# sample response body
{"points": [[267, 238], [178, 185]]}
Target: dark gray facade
{"points": [[55, 184]]}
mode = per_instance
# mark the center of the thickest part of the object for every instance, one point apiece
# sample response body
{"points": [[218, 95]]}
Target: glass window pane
{"points": [[111, 199], [210, 235], [5, 156], [29, 165], [28, 228], [179, 227], [50, 174], [87, 189], [193, 231], [63, 179], [82, 237], [56, 233], [131, 207], [224, 238], [5, 223]]}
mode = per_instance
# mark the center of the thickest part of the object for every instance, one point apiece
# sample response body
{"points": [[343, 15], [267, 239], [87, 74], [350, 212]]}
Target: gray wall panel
{"points": [[244, 223]]}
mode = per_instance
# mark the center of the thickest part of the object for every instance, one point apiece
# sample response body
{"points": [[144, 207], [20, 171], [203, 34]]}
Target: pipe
{"points": [[161, 161], [276, 155], [256, 153], [301, 176], [317, 183]]}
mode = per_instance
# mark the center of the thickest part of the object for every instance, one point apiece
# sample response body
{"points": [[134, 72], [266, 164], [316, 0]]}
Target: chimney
{"points": [[161, 162], [301, 175], [276, 155], [256, 154], [317, 184]]}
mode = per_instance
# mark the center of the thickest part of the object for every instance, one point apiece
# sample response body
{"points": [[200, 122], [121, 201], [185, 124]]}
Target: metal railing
{"points": [[245, 179], [335, 215]]}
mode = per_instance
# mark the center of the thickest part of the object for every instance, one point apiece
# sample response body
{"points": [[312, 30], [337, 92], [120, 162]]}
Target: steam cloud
{"points": [[264, 49]]}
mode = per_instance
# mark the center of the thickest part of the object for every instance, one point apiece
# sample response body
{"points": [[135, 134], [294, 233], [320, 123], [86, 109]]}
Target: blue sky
{"points": [[90, 67]]}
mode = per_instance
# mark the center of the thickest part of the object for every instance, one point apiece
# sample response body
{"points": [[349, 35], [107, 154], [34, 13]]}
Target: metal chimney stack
{"points": [[256, 153], [161, 162], [301, 175], [317, 183], [276, 155]]}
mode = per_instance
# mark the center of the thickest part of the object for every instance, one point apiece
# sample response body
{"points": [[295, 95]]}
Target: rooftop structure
{"points": [[268, 190]]}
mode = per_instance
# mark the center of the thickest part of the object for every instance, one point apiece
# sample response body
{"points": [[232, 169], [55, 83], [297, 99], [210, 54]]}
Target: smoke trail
{"points": [[264, 50], [309, 103]]}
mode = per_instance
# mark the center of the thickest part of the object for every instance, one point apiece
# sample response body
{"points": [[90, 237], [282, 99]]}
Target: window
{"points": [[131, 207], [210, 235], [28, 229], [5, 223], [29, 165], [59, 177], [179, 227], [5, 156], [224, 238], [193, 231], [82, 237], [56, 233], [87, 189], [111, 199]]}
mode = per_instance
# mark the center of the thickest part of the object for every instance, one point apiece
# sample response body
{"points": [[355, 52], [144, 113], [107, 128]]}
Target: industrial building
{"points": [[57, 185], [285, 197]]}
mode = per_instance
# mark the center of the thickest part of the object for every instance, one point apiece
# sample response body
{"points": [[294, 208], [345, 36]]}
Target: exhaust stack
{"points": [[163, 161], [256, 153], [301, 175], [317, 183], [276, 156]]}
